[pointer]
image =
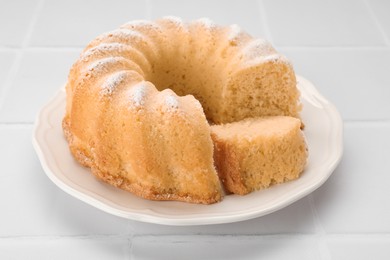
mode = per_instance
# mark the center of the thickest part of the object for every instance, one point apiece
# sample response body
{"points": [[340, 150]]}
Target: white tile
{"points": [[32, 205], [359, 248], [296, 218], [381, 9], [6, 60], [15, 17], [245, 13], [75, 23], [224, 247], [321, 23], [356, 197], [41, 75], [64, 248], [356, 81]]}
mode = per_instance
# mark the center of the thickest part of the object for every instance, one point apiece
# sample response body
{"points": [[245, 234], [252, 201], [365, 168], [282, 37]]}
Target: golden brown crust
{"points": [[80, 154], [135, 134], [145, 192]]}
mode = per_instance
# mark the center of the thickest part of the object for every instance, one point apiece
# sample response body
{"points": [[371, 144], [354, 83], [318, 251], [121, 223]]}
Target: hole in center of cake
{"points": [[202, 81]]}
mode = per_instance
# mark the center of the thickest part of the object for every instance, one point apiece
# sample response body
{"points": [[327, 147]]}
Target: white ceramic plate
{"points": [[323, 131]]}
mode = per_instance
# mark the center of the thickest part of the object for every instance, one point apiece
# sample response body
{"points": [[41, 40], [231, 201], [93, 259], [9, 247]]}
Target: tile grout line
{"points": [[185, 237], [148, 9], [376, 21], [11, 76], [103, 237], [286, 47], [13, 72], [129, 231], [368, 122], [16, 126], [33, 22], [264, 20], [281, 235], [382, 122], [320, 231], [335, 47], [129, 250], [43, 48]]}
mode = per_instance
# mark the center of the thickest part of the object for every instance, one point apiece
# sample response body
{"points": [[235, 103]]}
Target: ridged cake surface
{"points": [[140, 100]]}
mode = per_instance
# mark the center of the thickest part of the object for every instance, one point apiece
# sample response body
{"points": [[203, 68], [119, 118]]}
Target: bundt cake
{"points": [[257, 152], [140, 100]]}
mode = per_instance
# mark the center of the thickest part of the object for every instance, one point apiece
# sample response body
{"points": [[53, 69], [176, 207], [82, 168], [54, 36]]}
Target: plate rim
{"points": [[41, 126]]}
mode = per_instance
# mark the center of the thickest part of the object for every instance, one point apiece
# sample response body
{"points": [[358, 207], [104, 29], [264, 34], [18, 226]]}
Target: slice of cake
{"points": [[255, 153]]}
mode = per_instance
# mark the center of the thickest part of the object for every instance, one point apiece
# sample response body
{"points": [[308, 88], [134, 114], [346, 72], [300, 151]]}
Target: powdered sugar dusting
{"points": [[206, 22], [175, 22], [139, 94], [258, 48], [174, 19], [274, 58], [136, 23], [104, 47], [126, 33], [112, 81], [235, 32], [172, 102], [142, 26], [277, 58], [107, 46], [102, 65]]}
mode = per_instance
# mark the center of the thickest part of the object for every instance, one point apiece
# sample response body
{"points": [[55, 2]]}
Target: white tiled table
{"points": [[341, 46]]}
